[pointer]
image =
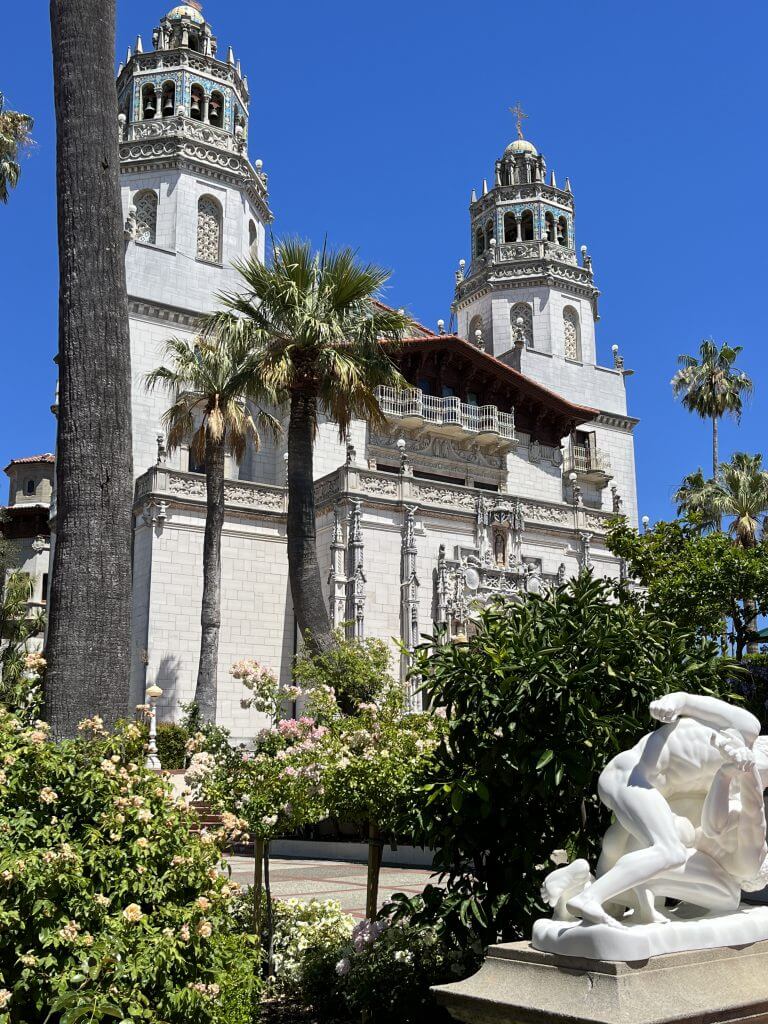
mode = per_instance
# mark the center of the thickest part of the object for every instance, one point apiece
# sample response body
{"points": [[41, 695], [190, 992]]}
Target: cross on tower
{"points": [[519, 113]]}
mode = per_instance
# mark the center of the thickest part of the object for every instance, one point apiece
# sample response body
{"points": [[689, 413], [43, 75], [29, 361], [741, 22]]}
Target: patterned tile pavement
{"points": [[331, 880]]}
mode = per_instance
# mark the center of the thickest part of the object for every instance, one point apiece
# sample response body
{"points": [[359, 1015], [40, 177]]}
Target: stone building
{"points": [[25, 521], [495, 475]]}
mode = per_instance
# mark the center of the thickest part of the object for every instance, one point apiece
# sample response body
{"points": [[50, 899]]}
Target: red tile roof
{"points": [[47, 457]]}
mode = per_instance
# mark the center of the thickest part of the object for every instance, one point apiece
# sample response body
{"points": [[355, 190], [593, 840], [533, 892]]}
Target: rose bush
{"points": [[107, 902]]}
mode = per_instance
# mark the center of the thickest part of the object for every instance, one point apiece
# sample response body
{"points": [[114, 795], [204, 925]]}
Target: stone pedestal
{"points": [[521, 985]]}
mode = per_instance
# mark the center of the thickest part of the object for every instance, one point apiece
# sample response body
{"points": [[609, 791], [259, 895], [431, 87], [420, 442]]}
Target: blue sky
{"points": [[375, 122]]}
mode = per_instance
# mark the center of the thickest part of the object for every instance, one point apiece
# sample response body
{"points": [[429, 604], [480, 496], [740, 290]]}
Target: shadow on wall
{"points": [[167, 678]]}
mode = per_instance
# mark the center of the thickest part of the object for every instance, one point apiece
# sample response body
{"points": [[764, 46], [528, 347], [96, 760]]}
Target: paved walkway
{"points": [[343, 881]]}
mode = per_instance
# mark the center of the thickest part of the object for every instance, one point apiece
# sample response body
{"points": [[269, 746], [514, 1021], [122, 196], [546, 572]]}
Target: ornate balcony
{"points": [[483, 423], [588, 464]]}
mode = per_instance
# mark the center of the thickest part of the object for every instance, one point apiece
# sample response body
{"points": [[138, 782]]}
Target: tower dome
{"points": [[186, 11], [521, 146]]}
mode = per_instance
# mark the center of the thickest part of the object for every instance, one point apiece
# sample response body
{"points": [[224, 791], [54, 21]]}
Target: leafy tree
{"points": [[712, 386], [89, 608], [697, 580], [20, 669], [356, 670], [537, 701], [215, 385], [15, 129], [316, 328]]}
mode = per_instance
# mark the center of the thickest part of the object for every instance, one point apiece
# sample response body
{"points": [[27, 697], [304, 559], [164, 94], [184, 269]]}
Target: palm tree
{"points": [[316, 328], [214, 387], [15, 130], [89, 632], [712, 387], [739, 493]]}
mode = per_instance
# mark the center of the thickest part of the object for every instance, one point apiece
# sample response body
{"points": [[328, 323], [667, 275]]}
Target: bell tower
{"points": [[192, 200], [529, 298]]}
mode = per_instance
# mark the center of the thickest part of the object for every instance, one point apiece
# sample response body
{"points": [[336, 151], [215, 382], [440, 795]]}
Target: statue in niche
{"points": [[689, 825], [500, 548]]}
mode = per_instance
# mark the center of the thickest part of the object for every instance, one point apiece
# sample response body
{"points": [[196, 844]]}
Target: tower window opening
{"points": [[169, 99], [209, 221], [30, 486], [475, 326], [479, 242], [146, 217], [216, 110], [197, 98], [549, 226], [571, 334], [521, 311], [526, 226], [253, 237], [510, 227], [562, 231], [488, 233], [532, 171], [148, 102]]}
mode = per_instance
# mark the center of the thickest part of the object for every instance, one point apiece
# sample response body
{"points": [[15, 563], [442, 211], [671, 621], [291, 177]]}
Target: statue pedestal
{"points": [[518, 984]]}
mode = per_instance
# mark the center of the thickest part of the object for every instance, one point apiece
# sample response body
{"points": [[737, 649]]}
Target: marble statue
{"points": [[689, 826]]}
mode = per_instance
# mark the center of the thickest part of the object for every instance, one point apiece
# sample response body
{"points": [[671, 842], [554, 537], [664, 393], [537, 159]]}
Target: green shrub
{"points": [[304, 930], [172, 745], [107, 902], [358, 671], [760, 659], [382, 974], [537, 702]]}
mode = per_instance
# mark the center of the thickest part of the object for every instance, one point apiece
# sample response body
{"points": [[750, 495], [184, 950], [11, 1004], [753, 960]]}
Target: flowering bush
{"points": [[355, 670], [261, 682], [381, 974], [303, 931], [107, 902]]}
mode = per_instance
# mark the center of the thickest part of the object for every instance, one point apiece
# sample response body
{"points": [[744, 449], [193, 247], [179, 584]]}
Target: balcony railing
{"points": [[587, 461], [446, 412]]}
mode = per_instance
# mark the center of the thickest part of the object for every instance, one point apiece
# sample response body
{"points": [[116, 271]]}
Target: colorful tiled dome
{"points": [[521, 146], [186, 11]]}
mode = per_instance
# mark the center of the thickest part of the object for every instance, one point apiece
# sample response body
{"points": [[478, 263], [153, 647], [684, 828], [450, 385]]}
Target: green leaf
{"points": [[544, 760]]}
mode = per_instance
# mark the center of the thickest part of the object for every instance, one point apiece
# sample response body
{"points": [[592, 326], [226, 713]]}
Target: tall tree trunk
{"points": [[210, 616], [715, 449], [309, 603], [89, 626]]}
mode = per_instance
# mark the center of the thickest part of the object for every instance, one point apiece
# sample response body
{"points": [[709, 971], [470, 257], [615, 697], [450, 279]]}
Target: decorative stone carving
{"points": [[689, 826], [571, 333], [409, 597], [357, 578], [208, 230], [337, 577], [378, 485]]}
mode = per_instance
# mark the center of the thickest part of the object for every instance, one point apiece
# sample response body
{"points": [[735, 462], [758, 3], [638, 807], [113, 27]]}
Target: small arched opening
{"points": [[510, 227], [196, 101], [148, 102], [562, 231], [475, 326], [571, 334], [216, 110], [253, 237], [521, 322], [146, 217], [488, 233], [169, 99], [526, 226], [209, 222], [479, 242], [549, 227]]}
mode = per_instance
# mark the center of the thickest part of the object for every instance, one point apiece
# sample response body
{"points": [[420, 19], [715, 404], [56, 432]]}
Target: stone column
{"points": [[357, 580], [337, 578], [409, 600]]}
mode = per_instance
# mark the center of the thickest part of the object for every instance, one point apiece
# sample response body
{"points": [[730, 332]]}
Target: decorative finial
{"points": [[518, 112]]}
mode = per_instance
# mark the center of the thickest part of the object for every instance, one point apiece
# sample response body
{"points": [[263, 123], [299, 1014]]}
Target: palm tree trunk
{"points": [[715, 449], [306, 585], [210, 616], [89, 626]]}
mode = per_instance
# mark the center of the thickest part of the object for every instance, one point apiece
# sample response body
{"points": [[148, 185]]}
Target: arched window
{"points": [[549, 225], [488, 233], [475, 325], [571, 333], [532, 171], [253, 237], [209, 230], [479, 242], [521, 311], [146, 217], [148, 102], [30, 486], [169, 99], [526, 226], [510, 227], [562, 231], [216, 110], [197, 98]]}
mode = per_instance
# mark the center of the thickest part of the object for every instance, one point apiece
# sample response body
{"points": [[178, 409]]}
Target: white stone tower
{"points": [[526, 299], [192, 200]]}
